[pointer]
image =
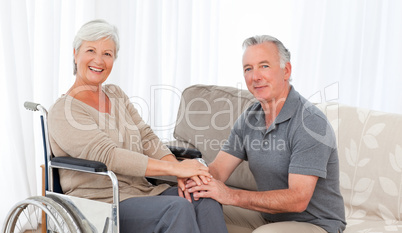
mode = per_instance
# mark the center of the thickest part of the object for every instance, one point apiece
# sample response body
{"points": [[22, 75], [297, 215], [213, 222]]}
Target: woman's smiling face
{"points": [[94, 61]]}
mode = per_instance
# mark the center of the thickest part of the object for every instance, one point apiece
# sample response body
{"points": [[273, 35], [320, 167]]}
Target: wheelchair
{"points": [[57, 212]]}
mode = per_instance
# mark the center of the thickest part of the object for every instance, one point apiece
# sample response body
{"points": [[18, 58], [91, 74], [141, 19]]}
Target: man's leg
{"points": [[209, 213], [157, 214], [289, 227]]}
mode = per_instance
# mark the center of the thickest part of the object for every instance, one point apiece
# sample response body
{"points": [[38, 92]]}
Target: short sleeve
{"points": [[312, 144]]}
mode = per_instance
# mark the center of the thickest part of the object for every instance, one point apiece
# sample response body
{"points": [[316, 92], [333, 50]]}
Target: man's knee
{"points": [[289, 226]]}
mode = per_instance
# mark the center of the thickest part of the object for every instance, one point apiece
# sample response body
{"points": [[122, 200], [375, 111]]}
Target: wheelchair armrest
{"points": [[79, 164], [184, 153]]}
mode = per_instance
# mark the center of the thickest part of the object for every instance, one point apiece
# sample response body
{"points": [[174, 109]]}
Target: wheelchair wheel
{"points": [[26, 216]]}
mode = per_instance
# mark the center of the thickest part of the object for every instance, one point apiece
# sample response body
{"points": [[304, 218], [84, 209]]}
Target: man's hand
{"points": [[214, 189], [185, 170]]}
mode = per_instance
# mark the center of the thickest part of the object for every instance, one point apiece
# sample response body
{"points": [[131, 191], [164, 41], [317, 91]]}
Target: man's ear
{"points": [[287, 71]]}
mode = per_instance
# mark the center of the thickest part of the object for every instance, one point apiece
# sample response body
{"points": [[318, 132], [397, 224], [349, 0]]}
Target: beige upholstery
{"points": [[370, 153], [205, 118], [369, 145]]}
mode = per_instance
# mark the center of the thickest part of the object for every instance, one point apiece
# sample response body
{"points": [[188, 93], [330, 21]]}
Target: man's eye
{"points": [[265, 66], [247, 69]]}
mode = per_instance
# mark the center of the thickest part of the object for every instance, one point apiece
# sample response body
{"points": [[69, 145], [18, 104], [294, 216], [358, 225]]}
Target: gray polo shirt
{"points": [[300, 141]]}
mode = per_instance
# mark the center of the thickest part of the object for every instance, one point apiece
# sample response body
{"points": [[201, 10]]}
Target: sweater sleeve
{"points": [[74, 132], [151, 144]]}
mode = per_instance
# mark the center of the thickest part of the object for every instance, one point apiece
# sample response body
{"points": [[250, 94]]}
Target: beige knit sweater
{"points": [[121, 140]]}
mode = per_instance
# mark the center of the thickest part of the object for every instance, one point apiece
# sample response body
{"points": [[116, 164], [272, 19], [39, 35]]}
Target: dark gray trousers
{"points": [[170, 213]]}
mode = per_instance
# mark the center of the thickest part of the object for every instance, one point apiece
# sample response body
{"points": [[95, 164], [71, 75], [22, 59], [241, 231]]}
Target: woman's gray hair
{"points": [[284, 54], [95, 30]]}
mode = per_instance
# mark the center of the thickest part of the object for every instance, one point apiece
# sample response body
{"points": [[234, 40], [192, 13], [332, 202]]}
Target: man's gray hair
{"points": [[284, 54], [95, 30]]}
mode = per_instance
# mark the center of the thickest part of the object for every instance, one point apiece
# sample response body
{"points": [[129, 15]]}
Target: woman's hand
{"points": [[183, 192], [190, 168], [197, 180], [185, 170]]}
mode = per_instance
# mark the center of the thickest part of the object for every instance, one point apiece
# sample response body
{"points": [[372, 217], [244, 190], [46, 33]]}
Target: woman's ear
{"points": [[75, 56]]}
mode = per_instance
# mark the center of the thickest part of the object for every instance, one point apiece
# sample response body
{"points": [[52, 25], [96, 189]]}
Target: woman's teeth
{"points": [[95, 69]]}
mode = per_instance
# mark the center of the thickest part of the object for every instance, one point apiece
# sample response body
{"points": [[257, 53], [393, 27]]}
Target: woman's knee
{"points": [[180, 204], [209, 204]]}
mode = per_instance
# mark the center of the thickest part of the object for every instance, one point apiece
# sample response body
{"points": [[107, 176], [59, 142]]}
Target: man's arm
{"points": [[294, 199], [223, 165]]}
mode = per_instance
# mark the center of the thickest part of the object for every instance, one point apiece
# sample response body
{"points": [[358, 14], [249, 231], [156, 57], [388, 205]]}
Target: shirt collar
{"points": [[288, 110], [290, 106]]}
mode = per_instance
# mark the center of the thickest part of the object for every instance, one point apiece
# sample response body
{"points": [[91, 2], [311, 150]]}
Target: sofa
{"points": [[369, 145]]}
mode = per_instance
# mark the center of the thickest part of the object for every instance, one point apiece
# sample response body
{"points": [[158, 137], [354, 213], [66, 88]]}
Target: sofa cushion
{"points": [[205, 117], [239, 220], [373, 226], [370, 155]]}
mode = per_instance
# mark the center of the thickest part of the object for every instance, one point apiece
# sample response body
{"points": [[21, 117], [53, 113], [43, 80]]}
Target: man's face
{"points": [[265, 79]]}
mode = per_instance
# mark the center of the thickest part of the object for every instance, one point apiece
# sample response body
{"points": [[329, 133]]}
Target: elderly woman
{"points": [[98, 122]]}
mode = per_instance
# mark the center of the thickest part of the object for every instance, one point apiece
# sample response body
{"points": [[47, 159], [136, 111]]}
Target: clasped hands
{"points": [[202, 185]]}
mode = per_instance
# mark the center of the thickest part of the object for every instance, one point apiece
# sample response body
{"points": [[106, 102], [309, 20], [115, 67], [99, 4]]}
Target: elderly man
{"points": [[298, 179]]}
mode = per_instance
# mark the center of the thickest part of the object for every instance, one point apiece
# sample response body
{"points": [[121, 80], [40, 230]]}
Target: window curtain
{"points": [[345, 51]]}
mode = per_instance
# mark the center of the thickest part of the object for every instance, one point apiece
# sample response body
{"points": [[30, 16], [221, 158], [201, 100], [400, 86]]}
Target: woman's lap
{"points": [[170, 213]]}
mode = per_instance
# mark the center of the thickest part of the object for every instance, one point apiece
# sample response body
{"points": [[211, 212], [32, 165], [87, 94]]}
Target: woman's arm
{"points": [[185, 169]]}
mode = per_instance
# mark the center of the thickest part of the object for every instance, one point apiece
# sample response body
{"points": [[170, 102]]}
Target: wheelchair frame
{"points": [[72, 212], [69, 210]]}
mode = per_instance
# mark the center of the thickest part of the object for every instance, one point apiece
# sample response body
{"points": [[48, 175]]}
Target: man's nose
{"points": [[256, 75]]}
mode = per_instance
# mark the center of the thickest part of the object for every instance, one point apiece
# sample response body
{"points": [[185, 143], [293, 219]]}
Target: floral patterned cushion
{"points": [[370, 154]]}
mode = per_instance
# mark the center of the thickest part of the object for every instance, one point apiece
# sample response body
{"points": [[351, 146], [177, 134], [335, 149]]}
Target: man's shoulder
{"points": [[310, 109], [312, 121], [306, 107]]}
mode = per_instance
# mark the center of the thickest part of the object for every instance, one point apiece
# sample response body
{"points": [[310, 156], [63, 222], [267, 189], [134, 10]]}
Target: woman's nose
{"points": [[98, 59]]}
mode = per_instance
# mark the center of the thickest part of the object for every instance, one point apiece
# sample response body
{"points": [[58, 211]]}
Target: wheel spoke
{"points": [[26, 216]]}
